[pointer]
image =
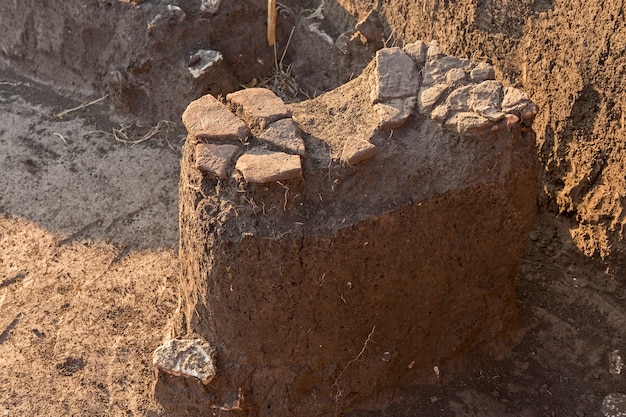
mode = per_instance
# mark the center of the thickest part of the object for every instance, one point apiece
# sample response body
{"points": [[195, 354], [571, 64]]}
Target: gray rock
{"points": [[417, 51], [458, 100], [486, 94], [434, 51], [258, 106], [614, 405], [263, 166], [357, 150], [435, 70], [395, 76], [514, 100], [285, 135], [468, 123], [210, 6], [490, 113], [207, 118], [185, 357], [428, 98], [456, 76], [201, 61], [216, 159], [440, 113], [482, 72], [395, 112]]}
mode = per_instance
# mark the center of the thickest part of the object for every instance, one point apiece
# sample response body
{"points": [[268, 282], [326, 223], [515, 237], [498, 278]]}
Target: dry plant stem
{"points": [[62, 138], [82, 106], [271, 22]]}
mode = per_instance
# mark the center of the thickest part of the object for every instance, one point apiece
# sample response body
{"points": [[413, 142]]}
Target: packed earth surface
{"points": [[91, 139]]}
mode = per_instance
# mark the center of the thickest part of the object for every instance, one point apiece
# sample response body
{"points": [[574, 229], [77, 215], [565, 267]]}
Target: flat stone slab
{"points": [[417, 51], [263, 166], [207, 118], [216, 159], [258, 106], [284, 134], [429, 97], [186, 357], [395, 76]]}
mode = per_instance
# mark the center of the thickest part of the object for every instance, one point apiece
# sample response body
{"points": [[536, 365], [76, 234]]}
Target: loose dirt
{"points": [[88, 233]]}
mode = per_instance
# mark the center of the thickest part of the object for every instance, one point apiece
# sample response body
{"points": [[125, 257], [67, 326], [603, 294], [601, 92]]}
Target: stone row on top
{"points": [[221, 136], [461, 95]]}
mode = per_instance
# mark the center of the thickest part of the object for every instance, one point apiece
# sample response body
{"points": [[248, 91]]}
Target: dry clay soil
{"points": [[89, 274]]}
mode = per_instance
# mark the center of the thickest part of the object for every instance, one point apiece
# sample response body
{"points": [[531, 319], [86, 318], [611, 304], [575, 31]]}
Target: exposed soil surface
{"points": [[89, 239]]}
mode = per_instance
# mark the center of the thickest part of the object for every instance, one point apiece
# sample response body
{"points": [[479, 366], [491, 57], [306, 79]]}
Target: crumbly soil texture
{"points": [[89, 270]]}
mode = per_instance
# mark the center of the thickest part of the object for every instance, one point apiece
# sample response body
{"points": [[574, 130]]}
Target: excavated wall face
{"points": [[389, 243], [575, 75]]}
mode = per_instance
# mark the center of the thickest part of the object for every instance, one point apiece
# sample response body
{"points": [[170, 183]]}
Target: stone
{"points": [[394, 113], [435, 70], [210, 6], [371, 28], [216, 159], [434, 51], [417, 51], [258, 106], [263, 166], [208, 118], [614, 405], [316, 29], [186, 357], [202, 60], [490, 113], [458, 100], [482, 72], [395, 76], [429, 97], [514, 100], [440, 113], [468, 123], [284, 134], [486, 94], [170, 15], [357, 150], [456, 76]]}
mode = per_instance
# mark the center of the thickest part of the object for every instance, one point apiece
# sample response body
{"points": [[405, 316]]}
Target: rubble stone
{"points": [[371, 28], [482, 72], [395, 76], [458, 100], [207, 118], [468, 123], [284, 134], [417, 51], [258, 106], [514, 100], [429, 97], [395, 112], [186, 357], [486, 94], [357, 150], [263, 166], [216, 159], [435, 70], [202, 60]]}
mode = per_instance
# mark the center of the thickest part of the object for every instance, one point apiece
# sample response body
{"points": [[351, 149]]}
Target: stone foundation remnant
{"points": [[350, 244]]}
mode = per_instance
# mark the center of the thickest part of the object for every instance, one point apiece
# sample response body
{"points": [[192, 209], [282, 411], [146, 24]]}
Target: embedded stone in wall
{"points": [[258, 106], [263, 166], [201, 61], [435, 70], [285, 135], [208, 118], [216, 159], [429, 97], [395, 76], [357, 150], [395, 112], [417, 51], [186, 357], [482, 72]]}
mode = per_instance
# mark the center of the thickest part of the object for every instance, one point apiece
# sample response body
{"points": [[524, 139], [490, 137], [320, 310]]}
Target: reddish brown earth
{"points": [[88, 225]]}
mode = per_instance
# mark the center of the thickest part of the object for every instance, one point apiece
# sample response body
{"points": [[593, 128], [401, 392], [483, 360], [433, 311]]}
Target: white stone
{"points": [[201, 61], [186, 357]]}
